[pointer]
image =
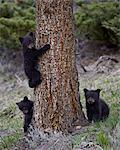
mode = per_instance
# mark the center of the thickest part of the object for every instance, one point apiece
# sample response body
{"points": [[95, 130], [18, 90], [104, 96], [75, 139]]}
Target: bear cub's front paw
{"points": [[47, 46]]}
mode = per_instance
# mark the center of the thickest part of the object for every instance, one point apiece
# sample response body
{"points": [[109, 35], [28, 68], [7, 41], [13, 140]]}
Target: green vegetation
{"points": [[15, 21], [96, 20], [102, 140], [11, 119], [11, 125], [7, 141], [99, 21]]}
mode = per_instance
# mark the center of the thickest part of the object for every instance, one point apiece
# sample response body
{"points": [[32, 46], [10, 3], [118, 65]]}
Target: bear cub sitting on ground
{"points": [[31, 55], [26, 106], [96, 108]]}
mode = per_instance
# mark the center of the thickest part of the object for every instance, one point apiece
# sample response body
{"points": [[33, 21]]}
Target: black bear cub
{"points": [[31, 55], [96, 108], [26, 106]]}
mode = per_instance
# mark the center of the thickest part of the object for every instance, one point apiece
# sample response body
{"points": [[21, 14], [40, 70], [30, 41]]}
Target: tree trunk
{"points": [[57, 103]]}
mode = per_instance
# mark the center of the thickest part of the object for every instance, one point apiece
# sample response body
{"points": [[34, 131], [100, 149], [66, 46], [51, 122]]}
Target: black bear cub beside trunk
{"points": [[26, 106], [31, 56], [96, 108]]}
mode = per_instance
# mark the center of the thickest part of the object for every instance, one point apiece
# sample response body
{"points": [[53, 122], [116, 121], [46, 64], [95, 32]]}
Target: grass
{"points": [[101, 132], [11, 126], [102, 139], [11, 122], [9, 140]]}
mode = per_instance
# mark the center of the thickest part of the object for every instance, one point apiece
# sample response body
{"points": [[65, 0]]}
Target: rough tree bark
{"points": [[57, 103]]}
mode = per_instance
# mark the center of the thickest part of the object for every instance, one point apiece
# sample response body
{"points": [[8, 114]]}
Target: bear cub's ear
{"points": [[18, 104], [98, 90], [31, 34], [21, 39], [25, 98], [85, 90]]}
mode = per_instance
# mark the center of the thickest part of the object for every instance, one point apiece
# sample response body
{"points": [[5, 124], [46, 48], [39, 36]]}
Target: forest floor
{"points": [[100, 74]]}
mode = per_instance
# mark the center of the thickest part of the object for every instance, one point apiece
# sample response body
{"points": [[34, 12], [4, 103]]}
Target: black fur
{"points": [[96, 108], [26, 106], [31, 55]]}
